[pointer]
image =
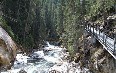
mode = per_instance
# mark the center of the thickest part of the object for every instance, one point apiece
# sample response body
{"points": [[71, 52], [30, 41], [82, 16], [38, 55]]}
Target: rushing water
{"points": [[51, 59]]}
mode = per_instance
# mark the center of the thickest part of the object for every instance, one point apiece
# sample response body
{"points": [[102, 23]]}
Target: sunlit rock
{"points": [[54, 71], [7, 49], [22, 71], [37, 55], [63, 68]]}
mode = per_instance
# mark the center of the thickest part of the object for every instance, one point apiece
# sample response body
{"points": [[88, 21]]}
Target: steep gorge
{"points": [[32, 22]]}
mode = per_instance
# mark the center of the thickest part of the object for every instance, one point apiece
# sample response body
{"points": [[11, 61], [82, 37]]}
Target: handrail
{"points": [[108, 42]]}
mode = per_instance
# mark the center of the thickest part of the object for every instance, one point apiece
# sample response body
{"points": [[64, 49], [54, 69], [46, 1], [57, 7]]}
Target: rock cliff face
{"points": [[95, 57], [7, 49]]}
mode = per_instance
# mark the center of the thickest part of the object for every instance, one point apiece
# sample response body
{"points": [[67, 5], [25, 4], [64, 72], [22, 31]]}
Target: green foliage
{"points": [[40, 20], [99, 6], [71, 50], [6, 27]]}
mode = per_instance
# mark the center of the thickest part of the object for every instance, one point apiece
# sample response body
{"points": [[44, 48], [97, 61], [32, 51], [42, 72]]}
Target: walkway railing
{"points": [[108, 43]]}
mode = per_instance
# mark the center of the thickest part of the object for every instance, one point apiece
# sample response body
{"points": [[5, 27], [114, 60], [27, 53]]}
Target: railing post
{"points": [[96, 27], [87, 26], [96, 30], [99, 30], [103, 38], [93, 29], [114, 45], [90, 28], [113, 34]]}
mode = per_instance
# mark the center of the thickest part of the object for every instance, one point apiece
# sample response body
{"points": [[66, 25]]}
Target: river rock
{"points": [[22, 71], [38, 54]]}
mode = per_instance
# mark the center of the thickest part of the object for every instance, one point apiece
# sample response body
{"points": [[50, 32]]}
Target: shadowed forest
{"points": [[30, 22]]}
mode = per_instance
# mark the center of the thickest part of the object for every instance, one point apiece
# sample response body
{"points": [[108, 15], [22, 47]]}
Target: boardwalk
{"points": [[108, 43]]}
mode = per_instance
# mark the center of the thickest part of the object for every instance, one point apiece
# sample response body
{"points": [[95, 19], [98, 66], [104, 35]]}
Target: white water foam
{"points": [[43, 63]]}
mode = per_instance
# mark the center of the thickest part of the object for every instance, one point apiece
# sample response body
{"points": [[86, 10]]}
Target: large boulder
{"points": [[7, 49]]}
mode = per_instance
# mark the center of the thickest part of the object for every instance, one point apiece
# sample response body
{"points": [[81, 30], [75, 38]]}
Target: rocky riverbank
{"points": [[51, 59], [94, 56]]}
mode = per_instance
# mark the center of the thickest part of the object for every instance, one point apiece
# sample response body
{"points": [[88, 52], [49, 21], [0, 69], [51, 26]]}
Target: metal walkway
{"points": [[108, 43]]}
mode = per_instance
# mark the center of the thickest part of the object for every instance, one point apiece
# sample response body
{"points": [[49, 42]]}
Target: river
{"points": [[51, 59]]}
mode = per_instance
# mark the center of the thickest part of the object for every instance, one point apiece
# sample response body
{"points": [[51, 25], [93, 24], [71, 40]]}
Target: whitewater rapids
{"points": [[51, 59]]}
